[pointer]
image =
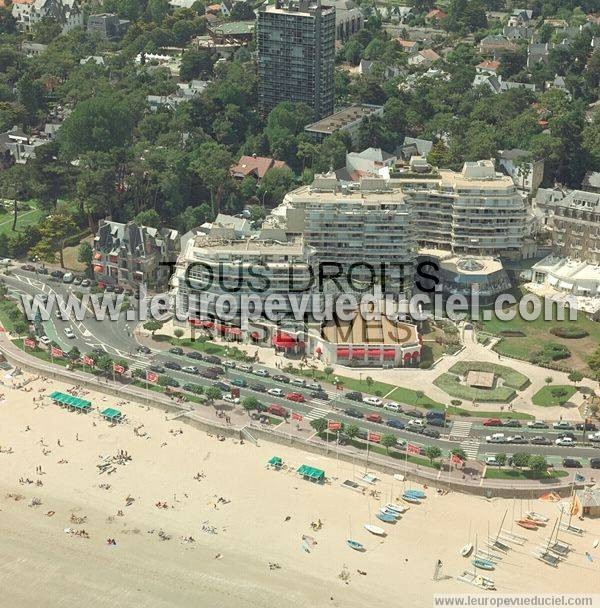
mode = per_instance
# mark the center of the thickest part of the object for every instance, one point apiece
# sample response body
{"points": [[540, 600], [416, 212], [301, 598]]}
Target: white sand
{"points": [[42, 565]]}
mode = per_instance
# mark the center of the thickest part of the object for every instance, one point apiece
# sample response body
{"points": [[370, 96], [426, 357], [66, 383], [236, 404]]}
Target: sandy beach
{"points": [[228, 530]]}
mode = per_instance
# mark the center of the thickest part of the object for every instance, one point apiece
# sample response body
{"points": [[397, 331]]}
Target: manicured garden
{"points": [[549, 396], [510, 377], [451, 384]]}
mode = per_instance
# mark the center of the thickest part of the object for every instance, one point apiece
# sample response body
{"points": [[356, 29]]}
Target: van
{"points": [[278, 410], [68, 277]]}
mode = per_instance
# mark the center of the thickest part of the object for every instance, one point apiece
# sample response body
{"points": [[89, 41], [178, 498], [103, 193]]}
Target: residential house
{"points": [[128, 254], [181, 3], [556, 23], [520, 16], [435, 16], [413, 146], [559, 83], [518, 32], [372, 161], [424, 58], [107, 25], [233, 32], [591, 181], [31, 49], [408, 46], [489, 66], [537, 52], [256, 166], [347, 120], [67, 13], [526, 173], [495, 45], [366, 67], [20, 146], [498, 85]]}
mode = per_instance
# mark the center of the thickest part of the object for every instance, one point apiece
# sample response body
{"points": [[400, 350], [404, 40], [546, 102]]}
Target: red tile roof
{"points": [[255, 165]]}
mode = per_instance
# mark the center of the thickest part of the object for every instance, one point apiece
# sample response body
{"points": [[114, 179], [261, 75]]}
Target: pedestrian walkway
{"points": [[317, 412], [470, 448], [460, 429]]}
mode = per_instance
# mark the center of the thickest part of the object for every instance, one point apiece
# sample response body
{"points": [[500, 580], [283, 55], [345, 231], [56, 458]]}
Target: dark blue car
{"points": [[396, 424]]}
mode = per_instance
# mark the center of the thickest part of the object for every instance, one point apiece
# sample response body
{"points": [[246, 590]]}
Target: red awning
{"points": [[234, 331], [283, 340], [254, 335], [220, 327], [415, 355], [98, 268], [389, 353], [374, 352], [318, 350], [358, 353], [407, 356], [97, 256], [343, 352], [206, 323], [195, 322]]}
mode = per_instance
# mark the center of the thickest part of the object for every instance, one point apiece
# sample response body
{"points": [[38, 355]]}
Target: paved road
{"points": [[115, 337]]}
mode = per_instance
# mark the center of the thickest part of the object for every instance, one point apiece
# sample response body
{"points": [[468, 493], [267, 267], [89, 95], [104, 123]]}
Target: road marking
{"points": [[470, 447], [317, 412], [460, 429]]}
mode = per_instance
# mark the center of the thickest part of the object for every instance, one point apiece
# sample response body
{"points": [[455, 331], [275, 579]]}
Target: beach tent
{"points": [[111, 414], [311, 473], [275, 462], [70, 401]]}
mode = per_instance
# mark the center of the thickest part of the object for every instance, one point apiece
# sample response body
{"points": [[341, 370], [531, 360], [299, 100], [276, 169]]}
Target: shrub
{"points": [[552, 351], [569, 331]]}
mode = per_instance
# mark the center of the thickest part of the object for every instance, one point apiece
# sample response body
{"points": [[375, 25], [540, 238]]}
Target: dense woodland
{"points": [[113, 157]]}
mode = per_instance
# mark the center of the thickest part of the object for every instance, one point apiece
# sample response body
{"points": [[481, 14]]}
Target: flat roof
{"points": [[342, 118], [250, 245], [480, 379]]}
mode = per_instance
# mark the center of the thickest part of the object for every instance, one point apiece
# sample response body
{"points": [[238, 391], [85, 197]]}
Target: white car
{"points": [[496, 438], [594, 437], [276, 392], [263, 373], [417, 422], [564, 441], [392, 406], [376, 401], [69, 333], [491, 461], [231, 399], [5, 262], [298, 382], [44, 340], [244, 367], [190, 369]]}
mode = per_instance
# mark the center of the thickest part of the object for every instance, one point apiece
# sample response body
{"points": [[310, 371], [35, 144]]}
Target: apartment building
{"points": [[67, 13], [128, 254], [475, 212], [577, 226], [296, 45], [365, 227]]}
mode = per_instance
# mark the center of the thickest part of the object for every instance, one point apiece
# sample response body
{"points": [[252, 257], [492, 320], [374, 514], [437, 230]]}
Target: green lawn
{"points": [[537, 334], [450, 384], [511, 377], [26, 217], [5, 307], [497, 473], [546, 397]]}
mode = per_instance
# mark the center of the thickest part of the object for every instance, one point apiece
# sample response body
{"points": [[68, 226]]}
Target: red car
{"points": [[278, 410], [493, 422], [373, 418], [295, 397]]}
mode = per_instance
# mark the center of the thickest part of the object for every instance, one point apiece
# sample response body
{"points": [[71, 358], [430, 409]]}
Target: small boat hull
{"points": [[388, 519], [527, 524], [466, 550], [396, 508], [411, 499], [374, 530], [355, 545], [484, 564], [415, 493]]}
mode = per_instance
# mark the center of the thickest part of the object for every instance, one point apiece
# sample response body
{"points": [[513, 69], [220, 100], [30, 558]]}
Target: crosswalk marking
{"points": [[470, 447], [317, 412], [460, 429]]}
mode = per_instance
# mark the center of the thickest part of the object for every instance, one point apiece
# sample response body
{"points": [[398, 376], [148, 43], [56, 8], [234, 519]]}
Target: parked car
{"points": [[171, 382], [109, 289], [417, 422], [172, 365], [539, 440], [376, 401], [42, 270], [258, 387], [571, 463], [354, 396], [589, 426], [395, 424], [415, 413], [217, 370], [298, 382], [144, 350], [491, 461], [314, 386], [353, 413], [431, 433], [567, 434], [221, 386], [414, 428], [435, 414], [176, 350], [69, 333], [263, 373], [28, 267], [562, 426], [437, 422], [212, 359], [230, 364], [492, 422], [245, 367], [209, 373], [159, 369], [594, 437], [57, 274], [392, 406], [537, 424], [190, 369], [595, 463], [517, 439], [276, 392], [238, 382], [118, 289], [278, 410], [77, 280], [564, 441], [297, 397], [372, 417], [194, 354], [86, 283], [281, 378], [496, 438], [230, 398], [322, 395], [512, 422], [45, 340]]}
